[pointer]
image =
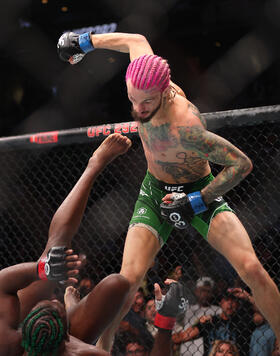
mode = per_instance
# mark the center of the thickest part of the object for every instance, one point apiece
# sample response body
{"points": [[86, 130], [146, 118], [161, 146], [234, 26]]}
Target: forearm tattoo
{"points": [[217, 150]]}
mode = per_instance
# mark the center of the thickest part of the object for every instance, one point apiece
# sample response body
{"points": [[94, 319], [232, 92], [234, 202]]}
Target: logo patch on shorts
{"points": [[176, 219], [174, 188], [141, 211]]}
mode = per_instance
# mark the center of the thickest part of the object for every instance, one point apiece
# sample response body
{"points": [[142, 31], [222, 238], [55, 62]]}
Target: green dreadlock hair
{"points": [[42, 332]]}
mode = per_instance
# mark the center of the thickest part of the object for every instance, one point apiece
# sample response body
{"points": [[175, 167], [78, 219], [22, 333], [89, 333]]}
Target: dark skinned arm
{"points": [[13, 279], [63, 227], [175, 303], [164, 340], [162, 344], [66, 221], [16, 278]]}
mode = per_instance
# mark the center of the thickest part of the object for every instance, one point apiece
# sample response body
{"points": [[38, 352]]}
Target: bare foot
{"points": [[113, 146], [71, 298]]}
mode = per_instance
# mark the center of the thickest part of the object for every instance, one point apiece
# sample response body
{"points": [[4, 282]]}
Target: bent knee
{"points": [[117, 282], [118, 279]]}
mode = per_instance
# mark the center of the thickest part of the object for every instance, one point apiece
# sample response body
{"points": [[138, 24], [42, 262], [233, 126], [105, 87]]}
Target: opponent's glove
{"points": [[72, 47], [53, 266], [182, 208], [173, 303]]}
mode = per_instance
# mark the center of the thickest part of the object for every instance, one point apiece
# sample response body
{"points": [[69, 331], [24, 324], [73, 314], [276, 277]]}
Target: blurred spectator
{"points": [[127, 344], [85, 286], [58, 293], [263, 338], [176, 273], [149, 314], [224, 348], [276, 350], [134, 322], [134, 347], [235, 323], [169, 305], [204, 295], [139, 302]]}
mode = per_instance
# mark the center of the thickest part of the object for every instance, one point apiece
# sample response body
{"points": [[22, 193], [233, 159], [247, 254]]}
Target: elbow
{"points": [[139, 39], [134, 40], [248, 167], [244, 167]]}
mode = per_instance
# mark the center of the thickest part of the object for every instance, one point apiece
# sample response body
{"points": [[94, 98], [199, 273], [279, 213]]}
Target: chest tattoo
{"points": [[186, 167], [157, 138]]}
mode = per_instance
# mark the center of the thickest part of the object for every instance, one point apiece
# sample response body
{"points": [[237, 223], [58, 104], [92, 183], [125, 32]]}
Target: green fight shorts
{"points": [[147, 207]]}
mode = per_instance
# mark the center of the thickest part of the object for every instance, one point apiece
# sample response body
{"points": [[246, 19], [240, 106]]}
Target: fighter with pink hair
{"points": [[178, 149], [148, 73]]}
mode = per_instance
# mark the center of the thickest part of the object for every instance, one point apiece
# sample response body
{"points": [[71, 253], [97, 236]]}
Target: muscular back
{"points": [[170, 158]]}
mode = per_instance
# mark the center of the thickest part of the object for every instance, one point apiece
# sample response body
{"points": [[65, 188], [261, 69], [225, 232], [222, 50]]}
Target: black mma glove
{"points": [[173, 303], [72, 47], [182, 208], [53, 267]]}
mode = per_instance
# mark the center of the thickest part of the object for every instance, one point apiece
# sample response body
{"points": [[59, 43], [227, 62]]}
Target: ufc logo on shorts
{"points": [[179, 188], [176, 218]]}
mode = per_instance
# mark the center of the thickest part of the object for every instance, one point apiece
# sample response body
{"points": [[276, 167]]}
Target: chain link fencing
{"points": [[37, 173]]}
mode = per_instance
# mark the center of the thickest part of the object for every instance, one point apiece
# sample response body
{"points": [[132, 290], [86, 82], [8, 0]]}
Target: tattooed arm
{"points": [[216, 149]]}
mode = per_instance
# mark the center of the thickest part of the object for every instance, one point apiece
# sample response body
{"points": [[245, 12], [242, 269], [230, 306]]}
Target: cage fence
{"points": [[39, 170]]}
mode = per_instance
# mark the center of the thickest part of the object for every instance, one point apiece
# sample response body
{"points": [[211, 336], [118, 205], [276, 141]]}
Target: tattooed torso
{"points": [[169, 159], [178, 149]]}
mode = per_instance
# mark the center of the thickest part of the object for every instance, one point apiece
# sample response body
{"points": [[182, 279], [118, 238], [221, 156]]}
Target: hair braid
{"points": [[148, 71], [42, 332]]}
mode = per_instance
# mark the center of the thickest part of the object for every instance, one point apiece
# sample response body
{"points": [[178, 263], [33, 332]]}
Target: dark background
{"points": [[223, 53]]}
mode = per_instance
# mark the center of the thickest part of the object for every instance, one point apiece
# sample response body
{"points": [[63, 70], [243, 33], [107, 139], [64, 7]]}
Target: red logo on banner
{"points": [[126, 127], [133, 127], [105, 130], [95, 131], [44, 137]]}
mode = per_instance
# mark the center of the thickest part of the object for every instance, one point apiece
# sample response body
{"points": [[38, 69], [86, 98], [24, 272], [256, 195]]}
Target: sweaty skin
{"points": [[166, 153], [176, 143], [178, 150]]}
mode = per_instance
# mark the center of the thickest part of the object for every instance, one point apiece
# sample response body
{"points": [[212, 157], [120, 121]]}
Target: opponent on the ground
{"points": [[178, 149], [44, 330]]}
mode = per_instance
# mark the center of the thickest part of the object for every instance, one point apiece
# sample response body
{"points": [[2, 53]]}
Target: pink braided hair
{"points": [[149, 71]]}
